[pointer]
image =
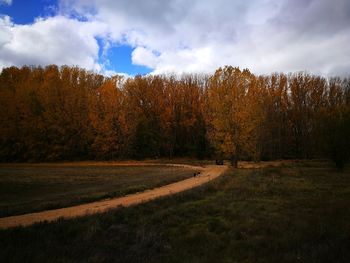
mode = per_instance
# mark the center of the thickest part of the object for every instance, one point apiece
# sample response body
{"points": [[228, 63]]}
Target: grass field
{"points": [[298, 212], [27, 187]]}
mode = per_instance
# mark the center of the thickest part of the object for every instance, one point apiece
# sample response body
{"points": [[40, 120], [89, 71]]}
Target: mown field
{"points": [[34, 187], [298, 212]]}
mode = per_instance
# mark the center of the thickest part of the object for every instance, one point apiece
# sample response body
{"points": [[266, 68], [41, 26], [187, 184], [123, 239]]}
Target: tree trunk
{"points": [[234, 161]]}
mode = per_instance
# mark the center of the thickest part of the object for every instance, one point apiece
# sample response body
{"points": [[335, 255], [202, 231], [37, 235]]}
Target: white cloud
{"points": [[111, 73], [5, 32], [201, 35], [54, 40], [182, 36], [145, 57], [5, 2]]}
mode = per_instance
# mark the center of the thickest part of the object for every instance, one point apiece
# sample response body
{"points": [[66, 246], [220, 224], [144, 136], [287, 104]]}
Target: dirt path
{"points": [[207, 173]]}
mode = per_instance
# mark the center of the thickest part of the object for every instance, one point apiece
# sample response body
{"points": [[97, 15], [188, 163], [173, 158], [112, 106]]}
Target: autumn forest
{"points": [[67, 113]]}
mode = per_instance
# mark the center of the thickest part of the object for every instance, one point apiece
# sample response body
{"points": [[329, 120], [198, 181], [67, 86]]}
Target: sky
{"points": [[175, 36]]}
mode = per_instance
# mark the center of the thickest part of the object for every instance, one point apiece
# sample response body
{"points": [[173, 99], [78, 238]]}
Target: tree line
{"points": [[68, 113]]}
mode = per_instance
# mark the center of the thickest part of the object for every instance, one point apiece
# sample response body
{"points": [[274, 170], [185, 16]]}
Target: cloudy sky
{"points": [[160, 36]]}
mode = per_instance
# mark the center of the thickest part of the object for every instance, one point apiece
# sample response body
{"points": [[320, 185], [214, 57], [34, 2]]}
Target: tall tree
{"points": [[233, 124]]}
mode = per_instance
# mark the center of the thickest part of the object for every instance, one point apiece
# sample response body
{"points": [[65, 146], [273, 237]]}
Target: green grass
{"points": [[28, 188], [294, 213]]}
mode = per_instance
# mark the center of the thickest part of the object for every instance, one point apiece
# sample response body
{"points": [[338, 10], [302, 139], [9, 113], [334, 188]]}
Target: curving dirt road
{"points": [[207, 173]]}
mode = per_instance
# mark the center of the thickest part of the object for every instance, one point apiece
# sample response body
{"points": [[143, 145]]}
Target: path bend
{"points": [[208, 173]]}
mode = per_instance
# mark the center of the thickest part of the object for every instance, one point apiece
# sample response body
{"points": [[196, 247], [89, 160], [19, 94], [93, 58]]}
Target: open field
{"points": [[207, 174], [298, 212], [34, 187]]}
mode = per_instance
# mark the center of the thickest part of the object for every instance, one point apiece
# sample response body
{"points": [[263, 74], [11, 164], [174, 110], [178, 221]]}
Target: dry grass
{"points": [[297, 212], [35, 187]]}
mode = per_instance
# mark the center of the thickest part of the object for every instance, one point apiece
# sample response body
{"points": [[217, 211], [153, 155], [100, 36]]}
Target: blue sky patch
{"points": [[25, 12], [119, 58], [116, 58]]}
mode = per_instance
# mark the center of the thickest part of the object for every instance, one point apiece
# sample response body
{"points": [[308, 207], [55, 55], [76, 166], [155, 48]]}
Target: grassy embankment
{"points": [[298, 212]]}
